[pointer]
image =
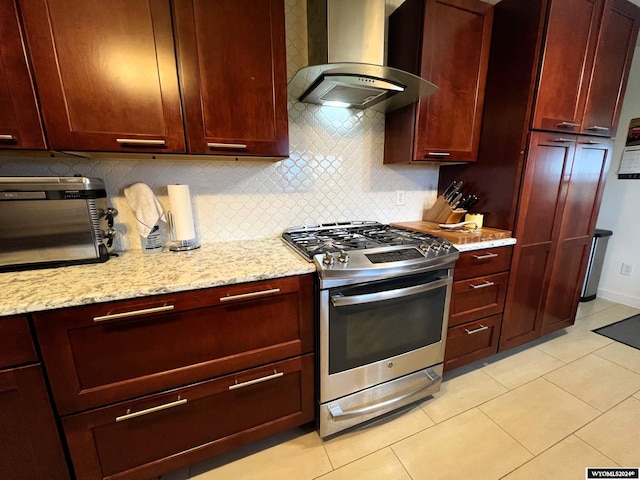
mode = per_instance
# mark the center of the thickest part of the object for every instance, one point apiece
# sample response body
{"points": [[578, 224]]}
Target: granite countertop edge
{"points": [[133, 274]]}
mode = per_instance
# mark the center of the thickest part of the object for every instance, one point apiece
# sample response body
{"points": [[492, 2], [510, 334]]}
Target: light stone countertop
{"points": [[135, 274], [501, 242]]}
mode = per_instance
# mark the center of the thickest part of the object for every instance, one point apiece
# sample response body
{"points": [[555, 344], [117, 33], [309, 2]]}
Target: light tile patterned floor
{"points": [[545, 410]]}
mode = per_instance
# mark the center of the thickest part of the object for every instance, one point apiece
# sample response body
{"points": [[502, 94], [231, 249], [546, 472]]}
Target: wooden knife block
{"points": [[441, 212]]}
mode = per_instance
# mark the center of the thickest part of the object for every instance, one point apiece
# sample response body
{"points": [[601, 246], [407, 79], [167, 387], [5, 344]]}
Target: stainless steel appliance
{"points": [[383, 304], [346, 42], [54, 221]]}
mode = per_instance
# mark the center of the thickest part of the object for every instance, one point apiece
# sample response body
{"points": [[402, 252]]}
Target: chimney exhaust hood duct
{"points": [[346, 60]]}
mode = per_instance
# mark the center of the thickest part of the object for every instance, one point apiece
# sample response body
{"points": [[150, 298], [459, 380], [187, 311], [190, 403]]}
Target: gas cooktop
{"points": [[365, 248]]}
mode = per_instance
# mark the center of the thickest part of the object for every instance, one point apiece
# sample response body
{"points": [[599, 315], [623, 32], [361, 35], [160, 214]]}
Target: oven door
{"points": [[379, 331]]}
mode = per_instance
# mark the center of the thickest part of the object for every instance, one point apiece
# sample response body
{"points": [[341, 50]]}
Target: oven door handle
{"points": [[337, 412], [339, 300]]}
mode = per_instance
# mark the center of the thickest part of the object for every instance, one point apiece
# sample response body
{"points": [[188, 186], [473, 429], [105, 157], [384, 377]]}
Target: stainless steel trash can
{"points": [[594, 266]]}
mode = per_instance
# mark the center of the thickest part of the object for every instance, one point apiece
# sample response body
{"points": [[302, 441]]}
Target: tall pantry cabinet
{"points": [[557, 75]]}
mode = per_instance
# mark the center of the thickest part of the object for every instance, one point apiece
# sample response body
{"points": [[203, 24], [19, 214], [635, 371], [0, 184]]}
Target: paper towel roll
{"points": [[182, 215]]}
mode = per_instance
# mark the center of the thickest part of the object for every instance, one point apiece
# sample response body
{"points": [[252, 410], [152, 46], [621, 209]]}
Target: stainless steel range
{"points": [[384, 296]]}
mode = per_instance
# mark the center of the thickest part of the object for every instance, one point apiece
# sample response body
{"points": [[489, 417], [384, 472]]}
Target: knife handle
{"points": [[449, 189]]}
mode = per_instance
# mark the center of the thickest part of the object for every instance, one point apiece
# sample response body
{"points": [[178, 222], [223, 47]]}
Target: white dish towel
{"points": [[146, 207]]}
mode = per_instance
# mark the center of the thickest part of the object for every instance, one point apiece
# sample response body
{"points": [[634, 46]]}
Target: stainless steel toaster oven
{"points": [[54, 221]]}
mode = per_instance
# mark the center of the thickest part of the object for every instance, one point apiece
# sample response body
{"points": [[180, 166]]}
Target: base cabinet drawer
{"points": [[149, 436], [472, 341], [477, 297], [482, 262], [106, 353]]}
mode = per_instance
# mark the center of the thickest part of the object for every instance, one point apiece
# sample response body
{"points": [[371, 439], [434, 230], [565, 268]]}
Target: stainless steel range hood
{"points": [[346, 60]]}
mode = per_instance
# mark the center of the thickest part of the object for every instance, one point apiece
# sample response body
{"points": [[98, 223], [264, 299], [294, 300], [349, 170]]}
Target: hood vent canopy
{"points": [[346, 60]]}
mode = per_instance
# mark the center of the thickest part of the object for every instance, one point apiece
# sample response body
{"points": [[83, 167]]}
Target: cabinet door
{"points": [[537, 223], [20, 125], [455, 53], [586, 182], [453, 43], [106, 74], [614, 53], [30, 443], [567, 59], [233, 74]]}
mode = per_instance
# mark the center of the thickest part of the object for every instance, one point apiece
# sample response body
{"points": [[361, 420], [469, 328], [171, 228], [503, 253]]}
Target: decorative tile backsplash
{"points": [[334, 173]]}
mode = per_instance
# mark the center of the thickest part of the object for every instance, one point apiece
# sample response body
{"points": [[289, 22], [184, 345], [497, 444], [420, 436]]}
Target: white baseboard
{"points": [[618, 298]]}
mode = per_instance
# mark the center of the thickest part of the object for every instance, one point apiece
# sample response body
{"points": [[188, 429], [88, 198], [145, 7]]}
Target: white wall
{"points": [[334, 173], [620, 211]]}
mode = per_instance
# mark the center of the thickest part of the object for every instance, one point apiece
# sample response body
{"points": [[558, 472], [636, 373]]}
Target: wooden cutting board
{"points": [[456, 236]]}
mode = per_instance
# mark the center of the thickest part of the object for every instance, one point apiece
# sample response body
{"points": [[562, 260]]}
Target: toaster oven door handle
{"points": [[340, 300], [133, 313], [337, 412]]}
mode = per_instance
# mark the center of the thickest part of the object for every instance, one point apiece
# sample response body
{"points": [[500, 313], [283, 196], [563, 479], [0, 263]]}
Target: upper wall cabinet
{"points": [[450, 42], [108, 78], [587, 53], [231, 55], [106, 74], [20, 125]]}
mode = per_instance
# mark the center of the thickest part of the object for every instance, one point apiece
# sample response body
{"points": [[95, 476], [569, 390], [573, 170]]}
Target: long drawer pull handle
{"points": [[567, 124], [244, 296], [139, 141], [438, 154], [593, 142], [240, 146], [151, 410], [337, 412], [561, 140], [482, 285], [275, 374], [476, 330], [598, 129], [484, 257], [8, 138], [133, 313]]}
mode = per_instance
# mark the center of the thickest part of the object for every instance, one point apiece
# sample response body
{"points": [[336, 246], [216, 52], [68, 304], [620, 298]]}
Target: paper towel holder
{"points": [[180, 245]]}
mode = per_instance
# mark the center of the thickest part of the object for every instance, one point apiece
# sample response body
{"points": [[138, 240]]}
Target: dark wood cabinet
{"points": [[551, 61], [29, 436], [116, 76], [587, 53], [20, 124], [613, 56], [584, 191], [233, 75], [145, 437], [106, 74], [148, 385], [477, 301], [559, 202], [450, 42]]}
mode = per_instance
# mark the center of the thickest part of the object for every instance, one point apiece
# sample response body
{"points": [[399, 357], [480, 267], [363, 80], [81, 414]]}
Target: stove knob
{"points": [[424, 247], [436, 246], [327, 259], [447, 245], [343, 257]]}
